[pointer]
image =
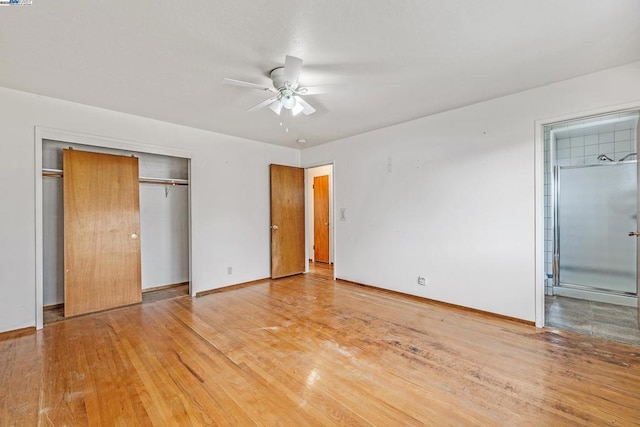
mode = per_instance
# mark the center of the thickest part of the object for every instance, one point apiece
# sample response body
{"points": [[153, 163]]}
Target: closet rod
{"points": [[163, 181], [58, 173]]}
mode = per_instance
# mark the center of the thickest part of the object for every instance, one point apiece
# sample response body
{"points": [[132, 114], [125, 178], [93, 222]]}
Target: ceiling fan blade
{"points": [[314, 90], [247, 84], [307, 108], [276, 106], [263, 104], [292, 68]]}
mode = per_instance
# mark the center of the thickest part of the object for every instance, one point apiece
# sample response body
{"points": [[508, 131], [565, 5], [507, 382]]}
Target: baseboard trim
{"points": [[53, 306], [163, 287], [15, 333], [320, 262], [441, 303], [231, 287]]}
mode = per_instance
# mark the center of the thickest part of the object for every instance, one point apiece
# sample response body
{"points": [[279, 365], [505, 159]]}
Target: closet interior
{"points": [[164, 219]]}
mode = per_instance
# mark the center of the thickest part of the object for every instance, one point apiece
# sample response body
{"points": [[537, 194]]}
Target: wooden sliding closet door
{"points": [[101, 232]]}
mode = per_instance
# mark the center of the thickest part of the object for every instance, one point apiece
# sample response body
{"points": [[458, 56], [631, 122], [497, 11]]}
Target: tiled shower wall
{"points": [[584, 149], [580, 142]]}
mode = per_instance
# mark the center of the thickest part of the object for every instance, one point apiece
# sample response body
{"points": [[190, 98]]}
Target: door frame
{"points": [[43, 133], [332, 214], [539, 274]]}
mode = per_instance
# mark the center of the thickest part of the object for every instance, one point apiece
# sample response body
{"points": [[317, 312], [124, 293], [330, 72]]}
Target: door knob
{"points": [[134, 236], [326, 223], [634, 233], [274, 227]]}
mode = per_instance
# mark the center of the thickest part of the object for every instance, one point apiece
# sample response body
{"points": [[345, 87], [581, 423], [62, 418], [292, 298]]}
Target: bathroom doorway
{"points": [[591, 207]]}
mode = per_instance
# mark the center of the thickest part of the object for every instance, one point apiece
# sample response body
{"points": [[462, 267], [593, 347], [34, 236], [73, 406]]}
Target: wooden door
{"points": [[287, 221], [321, 218], [101, 232]]}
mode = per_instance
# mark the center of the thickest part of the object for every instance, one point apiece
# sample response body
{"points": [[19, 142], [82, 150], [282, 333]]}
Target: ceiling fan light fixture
{"points": [[286, 90], [297, 108], [276, 107], [288, 101]]}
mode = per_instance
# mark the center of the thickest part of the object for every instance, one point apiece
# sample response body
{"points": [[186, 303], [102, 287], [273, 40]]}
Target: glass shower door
{"points": [[597, 208]]}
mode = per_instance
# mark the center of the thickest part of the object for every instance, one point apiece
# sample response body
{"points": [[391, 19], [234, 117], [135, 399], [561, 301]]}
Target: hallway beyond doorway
{"points": [[321, 269]]}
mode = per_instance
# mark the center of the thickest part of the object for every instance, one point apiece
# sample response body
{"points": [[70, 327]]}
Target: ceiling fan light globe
{"points": [[288, 102], [276, 107]]}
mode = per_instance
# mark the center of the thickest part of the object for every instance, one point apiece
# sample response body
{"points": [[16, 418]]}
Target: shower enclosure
{"points": [[596, 209], [591, 207]]}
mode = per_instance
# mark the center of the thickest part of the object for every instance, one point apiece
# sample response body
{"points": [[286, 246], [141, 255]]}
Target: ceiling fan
{"points": [[287, 92]]}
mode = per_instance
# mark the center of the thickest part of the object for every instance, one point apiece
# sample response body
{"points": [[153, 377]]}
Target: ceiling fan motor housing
{"points": [[277, 77]]}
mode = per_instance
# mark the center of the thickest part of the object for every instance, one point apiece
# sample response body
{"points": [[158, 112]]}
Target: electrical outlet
{"points": [[229, 270], [422, 281]]}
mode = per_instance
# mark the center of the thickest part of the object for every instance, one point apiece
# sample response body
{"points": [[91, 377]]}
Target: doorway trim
{"points": [[45, 133], [539, 124], [307, 220]]}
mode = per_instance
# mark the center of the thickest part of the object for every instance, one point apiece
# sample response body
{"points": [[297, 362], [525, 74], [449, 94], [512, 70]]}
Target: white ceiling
{"points": [[393, 60]]}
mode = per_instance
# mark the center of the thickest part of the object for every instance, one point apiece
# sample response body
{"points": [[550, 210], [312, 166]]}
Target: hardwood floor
{"points": [[306, 350]]}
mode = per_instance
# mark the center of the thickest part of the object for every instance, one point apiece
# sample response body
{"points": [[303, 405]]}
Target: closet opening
{"points": [[164, 213]]}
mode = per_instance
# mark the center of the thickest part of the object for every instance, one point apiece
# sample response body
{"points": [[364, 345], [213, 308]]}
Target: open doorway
{"points": [[320, 228], [590, 222]]}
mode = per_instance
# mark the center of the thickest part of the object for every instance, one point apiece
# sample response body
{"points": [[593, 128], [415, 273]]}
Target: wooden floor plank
{"points": [[306, 350]]}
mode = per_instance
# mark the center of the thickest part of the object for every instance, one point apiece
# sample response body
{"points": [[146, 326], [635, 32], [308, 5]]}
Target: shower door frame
{"points": [[556, 231], [539, 172]]}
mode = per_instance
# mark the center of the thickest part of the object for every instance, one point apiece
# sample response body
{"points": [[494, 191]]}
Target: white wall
{"points": [[312, 173], [452, 196], [164, 233], [53, 241], [229, 194]]}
